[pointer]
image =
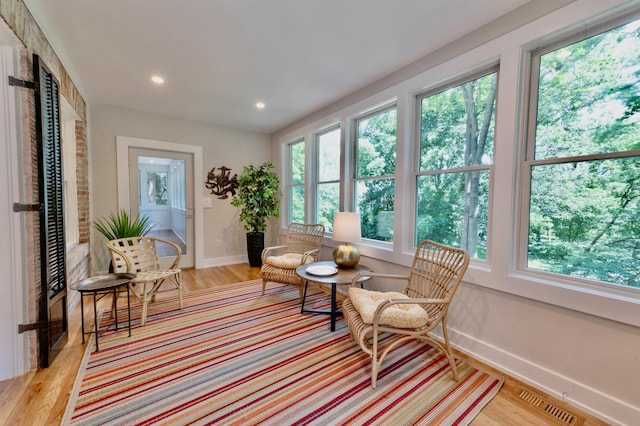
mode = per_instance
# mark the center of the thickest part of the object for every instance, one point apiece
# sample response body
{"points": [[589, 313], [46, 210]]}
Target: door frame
{"points": [[13, 306], [123, 143]]}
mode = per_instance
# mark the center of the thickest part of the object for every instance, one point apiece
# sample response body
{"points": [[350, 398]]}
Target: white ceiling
{"points": [[219, 57]]}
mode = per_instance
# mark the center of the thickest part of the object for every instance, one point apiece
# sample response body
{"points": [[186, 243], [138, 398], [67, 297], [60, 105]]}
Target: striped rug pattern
{"points": [[233, 356]]}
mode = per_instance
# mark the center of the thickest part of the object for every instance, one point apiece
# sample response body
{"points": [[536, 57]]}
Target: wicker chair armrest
{"points": [[115, 251], [267, 251], [355, 279], [176, 260], [309, 253]]}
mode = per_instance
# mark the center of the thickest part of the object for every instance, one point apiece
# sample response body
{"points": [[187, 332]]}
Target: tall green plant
{"points": [[258, 196], [122, 225]]}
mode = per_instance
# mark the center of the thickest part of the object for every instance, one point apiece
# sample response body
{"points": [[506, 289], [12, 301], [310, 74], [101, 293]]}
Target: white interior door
{"points": [[161, 188]]}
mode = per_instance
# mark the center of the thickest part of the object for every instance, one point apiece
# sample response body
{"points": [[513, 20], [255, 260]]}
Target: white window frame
{"points": [[289, 184], [315, 170], [528, 162], [379, 109], [462, 169]]}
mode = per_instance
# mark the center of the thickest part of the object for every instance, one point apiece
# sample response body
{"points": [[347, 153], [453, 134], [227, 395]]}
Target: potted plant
{"points": [[122, 225], [258, 196]]}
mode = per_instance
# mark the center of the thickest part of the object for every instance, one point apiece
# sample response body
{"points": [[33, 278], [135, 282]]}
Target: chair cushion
{"points": [[287, 260], [402, 316]]}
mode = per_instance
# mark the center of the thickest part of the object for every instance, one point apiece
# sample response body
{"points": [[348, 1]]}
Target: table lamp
{"points": [[346, 229]]}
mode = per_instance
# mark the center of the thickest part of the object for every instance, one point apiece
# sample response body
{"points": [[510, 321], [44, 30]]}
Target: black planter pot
{"points": [[255, 245]]}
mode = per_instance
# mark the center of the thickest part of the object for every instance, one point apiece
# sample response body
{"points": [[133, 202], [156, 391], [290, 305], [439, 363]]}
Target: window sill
{"points": [[619, 304]]}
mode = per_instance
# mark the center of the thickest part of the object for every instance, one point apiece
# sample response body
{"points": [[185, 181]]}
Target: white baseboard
{"points": [[577, 394], [222, 261]]}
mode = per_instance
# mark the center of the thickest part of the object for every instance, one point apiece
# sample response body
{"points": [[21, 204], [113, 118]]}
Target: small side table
{"points": [[343, 276], [98, 287]]}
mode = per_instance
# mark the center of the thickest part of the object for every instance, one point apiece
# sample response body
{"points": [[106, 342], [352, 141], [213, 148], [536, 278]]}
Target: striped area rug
{"points": [[233, 356]]}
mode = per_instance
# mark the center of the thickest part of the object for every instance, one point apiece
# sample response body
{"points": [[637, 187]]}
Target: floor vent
{"points": [[559, 414]]}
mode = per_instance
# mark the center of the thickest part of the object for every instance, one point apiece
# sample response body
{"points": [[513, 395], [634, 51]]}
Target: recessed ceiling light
{"points": [[260, 105], [157, 79]]}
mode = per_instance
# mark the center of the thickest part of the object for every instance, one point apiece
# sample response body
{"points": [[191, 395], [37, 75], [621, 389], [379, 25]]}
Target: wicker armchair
{"points": [[139, 255], [432, 281], [302, 246]]}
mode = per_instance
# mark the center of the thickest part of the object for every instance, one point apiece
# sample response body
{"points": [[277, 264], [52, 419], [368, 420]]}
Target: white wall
{"points": [[224, 237], [579, 346]]}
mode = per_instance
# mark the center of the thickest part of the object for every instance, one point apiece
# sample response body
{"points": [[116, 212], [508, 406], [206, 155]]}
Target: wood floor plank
{"points": [[40, 398]]}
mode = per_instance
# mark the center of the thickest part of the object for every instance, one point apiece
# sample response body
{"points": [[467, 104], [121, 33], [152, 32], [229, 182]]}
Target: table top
{"points": [[342, 276], [103, 282]]}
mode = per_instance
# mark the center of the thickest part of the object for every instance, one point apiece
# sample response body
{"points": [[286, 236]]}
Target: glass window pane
{"points": [[154, 189], [456, 131], [296, 202], [457, 125], [329, 156], [584, 220], [375, 199], [589, 96], [452, 209], [328, 203], [377, 145], [297, 162], [296, 206]]}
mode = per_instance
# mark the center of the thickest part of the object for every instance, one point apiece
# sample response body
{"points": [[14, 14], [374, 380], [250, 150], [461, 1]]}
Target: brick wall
{"points": [[19, 19], [82, 175]]}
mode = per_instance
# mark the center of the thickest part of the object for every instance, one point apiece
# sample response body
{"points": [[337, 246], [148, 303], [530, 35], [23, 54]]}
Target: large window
{"points": [[296, 182], [375, 173], [456, 154], [328, 182], [583, 159]]}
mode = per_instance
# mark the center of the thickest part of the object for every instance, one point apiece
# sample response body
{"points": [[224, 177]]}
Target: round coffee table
{"points": [[98, 287], [341, 276]]}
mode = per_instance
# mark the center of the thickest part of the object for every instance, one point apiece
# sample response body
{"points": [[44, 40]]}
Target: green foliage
{"points": [[328, 201], [296, 190], [328, 187], [258, 196], [584, 214], [122, 225], [456, 131], [160, 185], [376, 161]]}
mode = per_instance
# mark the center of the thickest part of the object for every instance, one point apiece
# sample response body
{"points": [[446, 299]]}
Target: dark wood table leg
{"points": [[82, 314], [334, 308], [115, 306], [95, 319], [304, 296]]}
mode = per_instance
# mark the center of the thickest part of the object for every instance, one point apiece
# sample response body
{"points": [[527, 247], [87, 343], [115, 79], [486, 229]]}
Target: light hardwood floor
{"points": [[40, 398]]}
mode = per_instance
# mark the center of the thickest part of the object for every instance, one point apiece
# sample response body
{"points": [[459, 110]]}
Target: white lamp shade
{"points": [[346, 227]]}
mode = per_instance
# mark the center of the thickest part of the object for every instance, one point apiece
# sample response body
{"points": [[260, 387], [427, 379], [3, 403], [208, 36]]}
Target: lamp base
{"points": [[346, 256]]}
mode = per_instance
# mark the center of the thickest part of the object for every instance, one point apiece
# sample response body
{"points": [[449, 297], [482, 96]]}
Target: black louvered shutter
{"points": [[53, 294]]}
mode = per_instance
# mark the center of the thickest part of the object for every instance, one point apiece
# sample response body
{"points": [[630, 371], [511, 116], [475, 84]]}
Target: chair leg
{"points": [[447, 350], [375, 363], [145, 303], [264, 286], [179, 283], [301, 291]]}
